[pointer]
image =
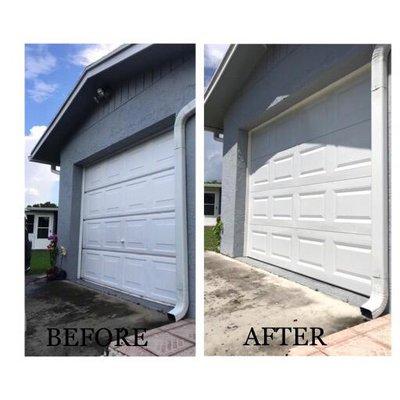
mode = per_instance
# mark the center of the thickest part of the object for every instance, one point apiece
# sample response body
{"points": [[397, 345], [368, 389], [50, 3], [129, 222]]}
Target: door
{"points": [[309, 187], [128, 232], [43, 229]]}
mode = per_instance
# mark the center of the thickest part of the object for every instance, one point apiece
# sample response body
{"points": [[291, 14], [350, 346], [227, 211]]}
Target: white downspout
{"points": [[378, 300], [182, 273]]}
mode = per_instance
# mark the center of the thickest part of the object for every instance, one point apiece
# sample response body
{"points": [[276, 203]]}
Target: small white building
{"points": [[212, 203], [41, 222]]}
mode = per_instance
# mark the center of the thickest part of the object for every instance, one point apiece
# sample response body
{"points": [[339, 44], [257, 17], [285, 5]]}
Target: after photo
{"points": [[296, 200]]}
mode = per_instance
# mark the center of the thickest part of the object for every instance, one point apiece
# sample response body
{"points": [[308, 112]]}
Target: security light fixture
{"points": [[101, 95]]}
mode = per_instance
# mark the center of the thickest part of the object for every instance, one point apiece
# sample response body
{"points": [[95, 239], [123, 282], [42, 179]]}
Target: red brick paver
{"points": [[371, 338], [177, 339]]}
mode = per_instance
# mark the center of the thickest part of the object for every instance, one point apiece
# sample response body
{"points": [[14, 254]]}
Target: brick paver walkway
{"points": [[371, 338], [177, 339]]}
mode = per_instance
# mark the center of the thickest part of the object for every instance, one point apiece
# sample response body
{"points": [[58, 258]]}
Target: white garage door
{"points": [[128, 236], [309, 207]]}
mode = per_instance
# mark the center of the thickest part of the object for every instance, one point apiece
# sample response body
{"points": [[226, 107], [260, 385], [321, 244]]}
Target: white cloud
{"points": [[41, 90], [91, 53], [40, 183], [38, 61], [213, 54]]}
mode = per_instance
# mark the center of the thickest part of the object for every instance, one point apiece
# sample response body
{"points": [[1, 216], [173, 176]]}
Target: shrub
{"points": [[217, 231]]}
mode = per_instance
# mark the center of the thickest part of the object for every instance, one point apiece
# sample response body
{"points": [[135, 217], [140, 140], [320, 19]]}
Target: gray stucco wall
{"points": [[295, 71], [138, 109]]}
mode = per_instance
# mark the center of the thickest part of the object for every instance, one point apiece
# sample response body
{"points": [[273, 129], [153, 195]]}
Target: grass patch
{"points": [[40, 262], [210, 241]]}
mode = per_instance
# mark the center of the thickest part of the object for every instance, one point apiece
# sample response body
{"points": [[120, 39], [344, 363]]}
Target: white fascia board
{"points": [[220, 71]]}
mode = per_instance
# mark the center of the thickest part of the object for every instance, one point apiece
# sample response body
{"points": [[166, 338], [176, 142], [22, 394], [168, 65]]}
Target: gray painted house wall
{"points": [[295, 71], [138, 109]]}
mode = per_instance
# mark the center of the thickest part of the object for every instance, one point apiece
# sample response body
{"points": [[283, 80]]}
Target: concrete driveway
{"points": [[62, 304], [238, 297]]}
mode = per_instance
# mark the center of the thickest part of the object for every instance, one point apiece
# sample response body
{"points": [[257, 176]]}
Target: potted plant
{"points": [[55, 272]]}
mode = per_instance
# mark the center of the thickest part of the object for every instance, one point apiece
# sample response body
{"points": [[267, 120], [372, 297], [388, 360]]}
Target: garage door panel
{"points": [[259, 242], [135, 162], [93, 266], [281, 246], [353, 204], [341, 259], [353, 146], [134, 278], [352, 261], [164, 234], [313, 159], [113, 233], [112, 269], [282, 168], [136, 234], [152, 234], [128, 240], [163, 192], [339, 110], [317, 118], [261, 175], [93, 204], [92, 236], [114, 170], [163, 279], [311, 205], [309, 196], [136, 196], [93, 177], [282, 207], [164, 153], [332, 158], [113, 203], [260, 208], [150, 194], [354, 102], [311, 252], [147, 158], [343, 206]]}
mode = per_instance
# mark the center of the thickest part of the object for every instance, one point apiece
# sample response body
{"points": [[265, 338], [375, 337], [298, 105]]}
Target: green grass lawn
{"points": [[40, 262], [210, 242]]}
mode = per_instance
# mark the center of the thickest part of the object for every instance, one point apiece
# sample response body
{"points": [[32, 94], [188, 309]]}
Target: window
{"points": [[30, 220], [209, 203], [43, 228]]}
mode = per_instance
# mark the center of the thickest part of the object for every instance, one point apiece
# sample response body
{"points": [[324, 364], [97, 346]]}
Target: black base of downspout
{"points": [[366, 313], [171, 317]]}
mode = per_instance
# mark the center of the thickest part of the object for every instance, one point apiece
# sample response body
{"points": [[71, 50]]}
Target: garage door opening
{"points": [[309, 187], [128, 221]]}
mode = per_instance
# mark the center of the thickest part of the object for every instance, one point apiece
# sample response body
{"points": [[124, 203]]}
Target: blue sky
{"points": [[51, 72], [50, 75], [213, 54]]}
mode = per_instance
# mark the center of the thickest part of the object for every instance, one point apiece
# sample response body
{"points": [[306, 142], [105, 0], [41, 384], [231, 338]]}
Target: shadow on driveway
{"points": [[62, 304]]}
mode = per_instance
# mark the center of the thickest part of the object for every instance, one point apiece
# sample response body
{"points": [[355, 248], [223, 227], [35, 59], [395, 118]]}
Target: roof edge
{"points": [[219, 71], [88, 72]]}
